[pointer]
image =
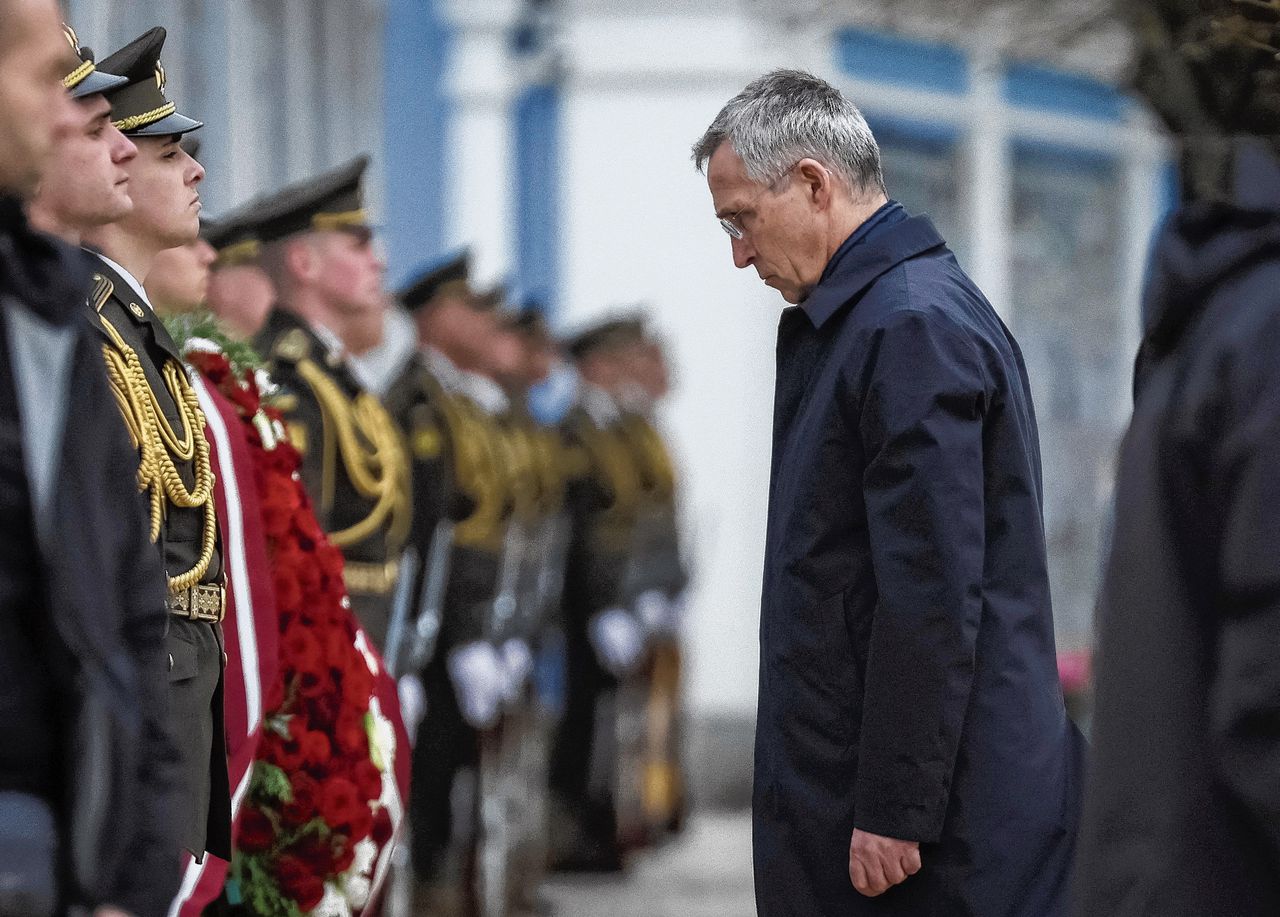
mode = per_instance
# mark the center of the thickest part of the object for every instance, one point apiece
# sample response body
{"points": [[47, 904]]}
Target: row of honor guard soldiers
{"points": [[521, 574]]}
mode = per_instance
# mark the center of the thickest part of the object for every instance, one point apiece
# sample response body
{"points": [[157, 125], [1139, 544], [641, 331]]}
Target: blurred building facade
{"points": [[553, 137]]}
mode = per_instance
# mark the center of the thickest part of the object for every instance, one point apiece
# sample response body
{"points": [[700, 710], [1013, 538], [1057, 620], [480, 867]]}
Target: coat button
{"points": [[171, 662]]}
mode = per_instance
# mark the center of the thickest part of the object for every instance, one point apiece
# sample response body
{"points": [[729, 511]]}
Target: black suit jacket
{"points": [[102, 581]]}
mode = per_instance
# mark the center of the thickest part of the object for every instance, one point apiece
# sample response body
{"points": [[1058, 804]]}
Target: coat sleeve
{"points": [[921, 428], [1244, 697]]}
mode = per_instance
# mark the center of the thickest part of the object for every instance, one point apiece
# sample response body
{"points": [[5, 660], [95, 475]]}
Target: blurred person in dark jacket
{"points": [[913, 752], [1182, 814], [86, 761]]}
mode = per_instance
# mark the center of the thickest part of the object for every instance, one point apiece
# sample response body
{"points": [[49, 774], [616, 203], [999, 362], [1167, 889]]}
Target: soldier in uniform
{"points": [[604, 641], [658, 580], [317, 249], [449, 413], [167, 427], [240, 292]]}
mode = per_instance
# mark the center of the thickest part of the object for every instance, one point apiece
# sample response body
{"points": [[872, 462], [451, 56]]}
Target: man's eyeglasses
{"points": [[731, 224]]}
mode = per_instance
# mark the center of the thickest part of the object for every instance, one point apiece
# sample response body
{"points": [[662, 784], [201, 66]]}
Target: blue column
{"points": [[537, 116], [416, 56]]}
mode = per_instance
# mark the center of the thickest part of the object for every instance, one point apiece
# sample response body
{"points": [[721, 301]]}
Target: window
{"points": [[1069, 315]]}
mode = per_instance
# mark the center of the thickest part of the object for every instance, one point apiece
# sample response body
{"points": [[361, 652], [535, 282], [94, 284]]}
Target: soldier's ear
{"points": [[300, 259]]}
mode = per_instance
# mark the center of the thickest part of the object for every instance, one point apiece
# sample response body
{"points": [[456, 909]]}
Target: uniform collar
{"points": [[884, 241], [137, 288]]}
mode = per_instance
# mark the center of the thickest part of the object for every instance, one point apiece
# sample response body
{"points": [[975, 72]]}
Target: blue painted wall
{"points": [[416, 59], [537, 128], [901, 61]]}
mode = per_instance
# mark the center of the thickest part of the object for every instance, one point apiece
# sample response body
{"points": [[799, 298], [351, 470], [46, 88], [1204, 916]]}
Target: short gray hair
{"points": [[789, 115]]}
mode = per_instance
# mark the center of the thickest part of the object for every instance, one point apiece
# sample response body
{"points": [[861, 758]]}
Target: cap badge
{"points": [[161, 78]]}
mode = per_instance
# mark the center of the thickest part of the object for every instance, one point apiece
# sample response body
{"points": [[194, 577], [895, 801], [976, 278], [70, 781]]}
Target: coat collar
{"points": [[128, 292], [860, 261]]}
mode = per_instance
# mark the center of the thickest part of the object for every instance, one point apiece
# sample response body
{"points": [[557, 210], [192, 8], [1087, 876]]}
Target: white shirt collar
{"points": [[599, 405], [485, 392], [128, 278], [331, 341], [444, 370]]}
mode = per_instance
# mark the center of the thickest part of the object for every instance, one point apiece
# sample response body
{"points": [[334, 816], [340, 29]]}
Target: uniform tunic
{"points": [[195, 648]]}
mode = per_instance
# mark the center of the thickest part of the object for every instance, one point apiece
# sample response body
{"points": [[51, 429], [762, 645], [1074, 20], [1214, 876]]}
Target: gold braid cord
{"points": [[372, 454], [159, 446], [477, 472]]}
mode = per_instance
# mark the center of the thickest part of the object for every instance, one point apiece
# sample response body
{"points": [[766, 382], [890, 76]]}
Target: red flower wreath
{"points": [[315, 790]]}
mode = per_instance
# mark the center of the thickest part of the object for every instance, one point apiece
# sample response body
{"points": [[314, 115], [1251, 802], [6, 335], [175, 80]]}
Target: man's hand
{"points": [[108, 910], [876, 863]]}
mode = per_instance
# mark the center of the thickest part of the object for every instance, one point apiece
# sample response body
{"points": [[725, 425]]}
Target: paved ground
{"points": [[706, 873]]}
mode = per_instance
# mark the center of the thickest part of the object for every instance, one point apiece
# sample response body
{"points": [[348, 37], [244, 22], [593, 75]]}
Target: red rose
{"points": [[317, 855], [305, 805], [315, 747], [299, 882], [349, 732], [359, 826], [340, 801], [357, 683], [301, 651], [254, 831], [368, 778], [283, 754], [382, 827], [278, 506], [337, 648], [288, 592]]}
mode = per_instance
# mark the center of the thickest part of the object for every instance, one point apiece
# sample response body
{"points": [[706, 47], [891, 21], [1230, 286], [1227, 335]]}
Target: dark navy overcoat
{"points": [[908, 680]]}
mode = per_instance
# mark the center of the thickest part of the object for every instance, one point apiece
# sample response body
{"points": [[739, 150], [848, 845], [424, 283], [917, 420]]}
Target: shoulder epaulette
{"points": [[102, 290], [292, 346]]}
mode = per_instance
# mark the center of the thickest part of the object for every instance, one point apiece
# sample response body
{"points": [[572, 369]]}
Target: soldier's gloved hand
{"points": [[478, 679], [617, 639], [517, 663], [654, 610], [413, 703]]}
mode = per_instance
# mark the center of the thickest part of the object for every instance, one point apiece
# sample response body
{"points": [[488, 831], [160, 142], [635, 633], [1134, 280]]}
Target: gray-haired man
{"points": [[912, 751]]}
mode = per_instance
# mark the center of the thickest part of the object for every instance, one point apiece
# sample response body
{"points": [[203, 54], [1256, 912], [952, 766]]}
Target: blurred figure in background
{"points": [[179, 278], [1183, 808], [461, 490], [83, 686], [318, 252], [660, 580], [594, 782], [240, 292]]}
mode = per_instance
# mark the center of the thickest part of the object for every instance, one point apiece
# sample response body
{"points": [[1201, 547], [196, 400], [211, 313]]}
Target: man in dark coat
{"points": [[1182, 817], [913, 755], [81, 598]]}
